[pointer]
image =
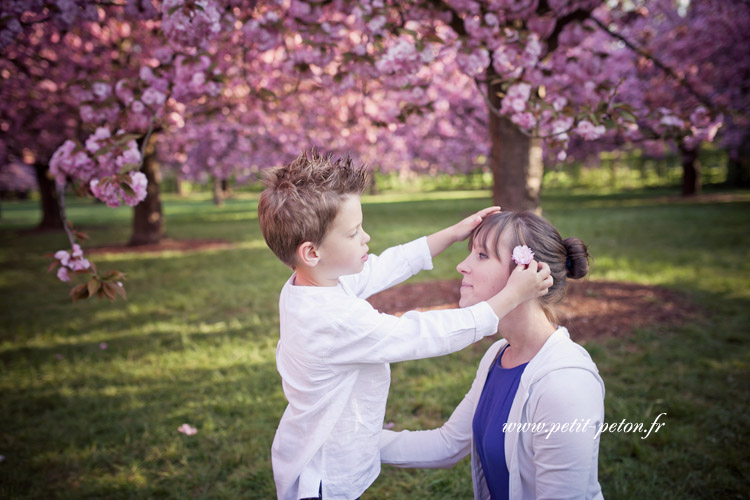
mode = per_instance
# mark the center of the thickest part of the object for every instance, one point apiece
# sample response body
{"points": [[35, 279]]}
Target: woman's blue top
{"points": [[491, 415]]}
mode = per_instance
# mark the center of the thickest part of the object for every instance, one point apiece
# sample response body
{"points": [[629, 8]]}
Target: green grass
{"points": [[195, 343]]}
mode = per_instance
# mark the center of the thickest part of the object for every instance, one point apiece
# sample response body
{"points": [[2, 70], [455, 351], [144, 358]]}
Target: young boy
{"points": [[334, 348]]}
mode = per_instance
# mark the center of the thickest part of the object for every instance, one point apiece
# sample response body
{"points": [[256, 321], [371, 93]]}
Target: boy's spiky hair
{"points": [[302, 198]]}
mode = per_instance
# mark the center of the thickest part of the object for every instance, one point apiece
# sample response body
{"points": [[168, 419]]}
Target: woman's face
{"points": [[484, 275]]}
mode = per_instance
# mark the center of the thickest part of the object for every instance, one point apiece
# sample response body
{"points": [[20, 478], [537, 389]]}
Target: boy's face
{"points": [[344, 249]]}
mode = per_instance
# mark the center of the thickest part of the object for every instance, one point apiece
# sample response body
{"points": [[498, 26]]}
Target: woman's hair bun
{"points": [[577, 262]]}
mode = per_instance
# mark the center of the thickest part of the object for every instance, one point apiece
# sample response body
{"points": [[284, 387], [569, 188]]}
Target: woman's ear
{"points": [[307, 254]]}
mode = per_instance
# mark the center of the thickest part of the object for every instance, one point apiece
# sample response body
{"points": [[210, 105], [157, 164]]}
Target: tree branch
{"points": [[666, 69]]}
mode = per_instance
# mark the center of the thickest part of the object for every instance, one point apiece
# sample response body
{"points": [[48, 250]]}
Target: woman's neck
{"points": [[526, 329]]}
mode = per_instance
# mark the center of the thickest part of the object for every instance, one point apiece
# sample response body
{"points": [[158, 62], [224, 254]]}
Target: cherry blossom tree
{"points": [[688, 66], [224, 88]]}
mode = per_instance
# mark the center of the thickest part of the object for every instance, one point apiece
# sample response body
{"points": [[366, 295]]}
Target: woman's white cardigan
{"points": [[546, 458]]}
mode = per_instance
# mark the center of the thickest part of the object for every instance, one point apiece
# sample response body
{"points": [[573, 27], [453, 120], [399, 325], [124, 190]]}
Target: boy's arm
{"points": [[401, 262], [458, 232], [365, 336], [391, 267]]}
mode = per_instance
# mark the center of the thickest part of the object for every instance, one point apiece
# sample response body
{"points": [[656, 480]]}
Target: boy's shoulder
{"points": [[322, 306]]}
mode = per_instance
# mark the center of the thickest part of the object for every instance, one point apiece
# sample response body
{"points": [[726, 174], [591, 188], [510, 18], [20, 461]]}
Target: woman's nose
{"points": [[462, 267], [367, 236]]}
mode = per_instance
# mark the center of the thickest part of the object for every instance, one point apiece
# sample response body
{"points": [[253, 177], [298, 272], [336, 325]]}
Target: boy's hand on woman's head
{"points": [[463, 229]]}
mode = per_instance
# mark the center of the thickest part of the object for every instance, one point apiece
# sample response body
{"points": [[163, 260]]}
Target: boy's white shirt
{"points": [[559, 385], [333, 357]]}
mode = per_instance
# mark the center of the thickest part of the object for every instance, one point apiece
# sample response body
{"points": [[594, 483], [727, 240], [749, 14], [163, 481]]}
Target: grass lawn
{"points": [[93, 392]]}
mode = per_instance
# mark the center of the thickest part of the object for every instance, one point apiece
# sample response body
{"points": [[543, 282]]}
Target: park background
{"points": [[624, 123]]}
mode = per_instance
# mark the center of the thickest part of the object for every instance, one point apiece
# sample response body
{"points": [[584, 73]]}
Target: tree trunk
{"points": [[148, 220], [51, 218], [218, 192], [692, 175], [516, 160], [738, 168], [181, 187]]}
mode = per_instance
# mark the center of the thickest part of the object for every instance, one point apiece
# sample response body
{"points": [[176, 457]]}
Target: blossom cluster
{"points": [[102, 155], [130, 189], [190, 24], [72, 261], [105, 164]]}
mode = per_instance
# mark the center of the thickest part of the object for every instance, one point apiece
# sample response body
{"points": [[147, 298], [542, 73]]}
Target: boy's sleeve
{"points": [[390, 268], [363, 335]]}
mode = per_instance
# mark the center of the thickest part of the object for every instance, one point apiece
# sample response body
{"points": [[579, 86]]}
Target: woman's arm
{"points": [[443, 447], [566, 457]]}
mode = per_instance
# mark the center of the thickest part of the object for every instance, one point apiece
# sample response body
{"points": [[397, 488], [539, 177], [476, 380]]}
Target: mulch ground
{"points": [[591, 309]]}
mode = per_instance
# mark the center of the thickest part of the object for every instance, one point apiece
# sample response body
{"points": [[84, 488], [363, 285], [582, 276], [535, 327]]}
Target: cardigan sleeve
{"points": [[565, 457], [442, 447]]}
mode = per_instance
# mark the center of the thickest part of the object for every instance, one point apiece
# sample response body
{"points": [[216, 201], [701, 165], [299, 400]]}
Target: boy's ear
{"points": [[307, 254]]}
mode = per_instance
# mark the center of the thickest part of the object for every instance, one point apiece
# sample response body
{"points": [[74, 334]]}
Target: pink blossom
{"points": [[93, 143], [87, 113], [62, 274], [138, 107], [103, 346], [152, 96], [522, 255], [101, 90], [671, 121], [63, 257], [130, 157], [187, 429], [474, 62], [80, 264], [139, 184], [588, 131], [111, 193], [524, 120], [376, 24], [124, 92]]}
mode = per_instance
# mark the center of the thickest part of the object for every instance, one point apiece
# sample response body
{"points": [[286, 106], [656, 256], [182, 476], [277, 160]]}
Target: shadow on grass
{"points": [[122, 441]]}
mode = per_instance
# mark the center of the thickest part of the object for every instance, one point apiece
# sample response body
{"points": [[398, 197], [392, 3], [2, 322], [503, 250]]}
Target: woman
{"points": [[531, 417]]}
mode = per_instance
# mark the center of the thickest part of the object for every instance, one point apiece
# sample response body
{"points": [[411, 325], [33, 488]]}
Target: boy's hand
{"points": [[444, 238], [463, 229], [524, 283], [530, 281]]}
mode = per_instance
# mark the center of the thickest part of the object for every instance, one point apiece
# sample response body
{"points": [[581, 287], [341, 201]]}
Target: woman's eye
{"points": [[483, 255]]}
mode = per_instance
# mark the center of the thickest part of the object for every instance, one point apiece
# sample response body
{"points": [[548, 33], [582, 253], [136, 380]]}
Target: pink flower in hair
{"points": [[522, 255]]}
